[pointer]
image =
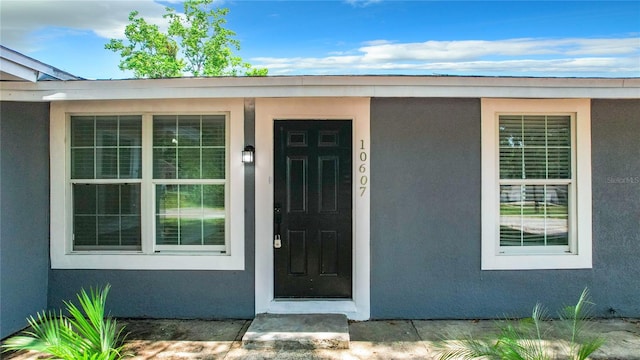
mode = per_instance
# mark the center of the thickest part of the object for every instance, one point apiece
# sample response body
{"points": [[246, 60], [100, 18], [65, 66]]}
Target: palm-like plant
{"points": [[524, 340], [574, 318], [85, 335]]}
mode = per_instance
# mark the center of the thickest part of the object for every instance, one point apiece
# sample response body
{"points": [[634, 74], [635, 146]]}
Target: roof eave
{"points": [[15, 66], [323, 86]]}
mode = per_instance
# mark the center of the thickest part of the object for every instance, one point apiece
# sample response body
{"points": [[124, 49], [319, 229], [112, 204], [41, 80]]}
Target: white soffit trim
{"points": [[324, 86]]}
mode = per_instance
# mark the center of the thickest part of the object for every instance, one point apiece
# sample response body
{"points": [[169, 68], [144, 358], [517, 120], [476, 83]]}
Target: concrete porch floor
{"points": [[389, 339]]}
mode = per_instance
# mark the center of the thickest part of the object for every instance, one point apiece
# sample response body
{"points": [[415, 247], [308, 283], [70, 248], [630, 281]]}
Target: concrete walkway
{"points": [[390, 339]]}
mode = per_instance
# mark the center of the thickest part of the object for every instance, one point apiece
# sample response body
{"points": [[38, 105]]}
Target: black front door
{"points": [[312, 208]]}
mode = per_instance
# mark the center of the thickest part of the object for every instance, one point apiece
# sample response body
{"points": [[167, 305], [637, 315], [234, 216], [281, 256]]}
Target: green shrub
{"points": [[84, 335], [523, 340]]}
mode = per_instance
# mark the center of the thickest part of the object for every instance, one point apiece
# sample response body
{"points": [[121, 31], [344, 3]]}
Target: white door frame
{"points": [[356, 110]]}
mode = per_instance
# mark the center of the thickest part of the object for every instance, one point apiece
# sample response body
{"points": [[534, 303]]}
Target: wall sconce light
{"points": [[247, 154]]}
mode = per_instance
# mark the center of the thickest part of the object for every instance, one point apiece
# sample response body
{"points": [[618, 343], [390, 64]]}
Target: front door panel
{"points": [[312, 209]]}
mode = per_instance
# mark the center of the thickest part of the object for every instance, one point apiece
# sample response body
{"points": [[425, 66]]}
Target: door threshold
{"points": [[312, 299], [314, 306]]}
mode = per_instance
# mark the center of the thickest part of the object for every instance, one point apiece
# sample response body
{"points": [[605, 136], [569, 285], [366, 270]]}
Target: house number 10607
{"points": [[362, 169]]}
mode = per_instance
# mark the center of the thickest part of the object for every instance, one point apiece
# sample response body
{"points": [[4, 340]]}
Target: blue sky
{"points": [[502, 38]]}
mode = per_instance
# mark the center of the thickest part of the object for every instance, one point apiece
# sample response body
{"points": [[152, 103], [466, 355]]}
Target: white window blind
{"points": [[536, 177]]}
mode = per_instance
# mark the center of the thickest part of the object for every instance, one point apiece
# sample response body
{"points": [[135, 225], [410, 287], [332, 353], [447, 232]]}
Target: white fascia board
{"points": [[32, 64], [324, 86], [17, 71]]}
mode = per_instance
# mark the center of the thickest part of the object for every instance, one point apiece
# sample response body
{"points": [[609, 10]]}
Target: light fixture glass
{"points": [[247, 154]]}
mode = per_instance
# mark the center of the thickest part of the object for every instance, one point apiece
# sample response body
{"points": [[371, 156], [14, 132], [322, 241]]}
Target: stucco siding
{"points": [[616, 204], [425, 216], [24, 212], [163, 294], [425, 226]]}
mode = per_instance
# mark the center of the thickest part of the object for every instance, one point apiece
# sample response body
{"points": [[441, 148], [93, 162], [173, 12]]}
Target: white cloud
{"points": [[475, 49], [362, 3], [529, 56], [106, 18]]}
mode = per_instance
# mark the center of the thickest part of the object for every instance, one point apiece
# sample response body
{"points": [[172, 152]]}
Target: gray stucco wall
{"points": [[425, 215], [175, 294], [616, 204], [24, 212]]}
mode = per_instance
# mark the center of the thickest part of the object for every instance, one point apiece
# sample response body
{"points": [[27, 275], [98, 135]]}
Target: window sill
{"points": [[156, 261], [536, 262]]}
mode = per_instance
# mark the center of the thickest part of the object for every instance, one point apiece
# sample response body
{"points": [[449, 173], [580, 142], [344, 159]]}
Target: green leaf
{"points": [[524, 339], [196, 43], [87, 334]]}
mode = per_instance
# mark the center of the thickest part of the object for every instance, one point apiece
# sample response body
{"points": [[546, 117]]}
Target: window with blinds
{"points": [[106, 172], [187, 182], [189, 177], [535, 180]]}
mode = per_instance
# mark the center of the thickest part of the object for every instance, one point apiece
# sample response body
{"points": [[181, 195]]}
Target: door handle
{"points": [[277, 218], [277, 243]]}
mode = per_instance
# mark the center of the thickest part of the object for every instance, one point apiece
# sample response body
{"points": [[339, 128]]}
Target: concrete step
{"points": [[297, 332]]}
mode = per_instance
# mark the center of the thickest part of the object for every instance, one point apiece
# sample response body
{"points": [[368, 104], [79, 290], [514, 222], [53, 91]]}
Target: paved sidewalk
{"points": [[390, 339]]}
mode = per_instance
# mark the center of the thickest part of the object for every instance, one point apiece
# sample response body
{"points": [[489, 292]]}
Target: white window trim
{"points": [[580, 256], [62, 256]]}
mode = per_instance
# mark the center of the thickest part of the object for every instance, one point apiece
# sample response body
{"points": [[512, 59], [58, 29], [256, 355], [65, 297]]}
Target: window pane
{"points": [[166, 230], [535, 147], [213, 197], [167, 214], [130, 230], [511, 160], [130, 163], [511, 147], [190, 231], [84, 199], [82, 131], [534, 163], [188, 131], [130, 131], [190, 199], [130, 148], [84, 230], [533, 131], [558, 131], [107, 163], [106, 147], [189, 163], [164, 163], [559, 147], [82, 163], [534, 215], [108, 199], [189, 147], [213, 163], [213, 231], [108, 230], [165, 131], [559, 163], [129, 200], [213, 130], [106, 131], [106, 216], [190, 214]]}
